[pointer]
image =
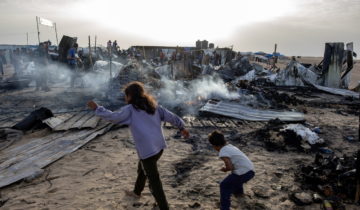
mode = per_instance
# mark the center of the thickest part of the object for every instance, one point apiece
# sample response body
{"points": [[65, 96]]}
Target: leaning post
{"points": [[333, 57]]}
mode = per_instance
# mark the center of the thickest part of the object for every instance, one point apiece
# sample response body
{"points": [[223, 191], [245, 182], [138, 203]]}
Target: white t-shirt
{"points": [[240, 161]]}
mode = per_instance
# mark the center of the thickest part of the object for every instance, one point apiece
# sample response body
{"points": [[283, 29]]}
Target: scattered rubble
{"points": [[234, 69], [331, 176], [302, 198], [305, 133], [261, 192], [280, 136]]}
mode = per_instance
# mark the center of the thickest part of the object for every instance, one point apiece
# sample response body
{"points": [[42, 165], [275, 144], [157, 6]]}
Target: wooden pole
{"points": [[95, 43], [57, 40], [90, 55], [110, 53], [144, 52], [27, 38], [275, 56], [275, 48], [37, 25]]}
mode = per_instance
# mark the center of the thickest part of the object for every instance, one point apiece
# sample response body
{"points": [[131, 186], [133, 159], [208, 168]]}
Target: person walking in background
{"points": [[114, 46], [144, 117], [42, 61], [73, 59], [162, 56], [15, 60], [109, 46]]}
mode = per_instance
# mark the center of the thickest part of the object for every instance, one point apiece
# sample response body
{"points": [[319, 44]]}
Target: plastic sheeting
{"points": [[305, 133]]}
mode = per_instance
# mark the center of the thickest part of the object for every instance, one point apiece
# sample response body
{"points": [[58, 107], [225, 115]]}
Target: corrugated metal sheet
{"points": [[27, 159], [337, 91], [9, 121], [235, 110], [85, 119]]}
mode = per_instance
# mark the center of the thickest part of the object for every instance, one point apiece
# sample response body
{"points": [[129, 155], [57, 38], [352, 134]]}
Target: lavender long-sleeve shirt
{"points": [[145, 128]]}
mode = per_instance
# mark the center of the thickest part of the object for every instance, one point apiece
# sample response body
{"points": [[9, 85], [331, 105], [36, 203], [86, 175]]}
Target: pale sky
{"points": [[299, 27]]}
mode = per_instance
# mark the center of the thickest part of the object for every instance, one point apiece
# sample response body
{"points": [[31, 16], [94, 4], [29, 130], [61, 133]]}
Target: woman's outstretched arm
{"points": [[119, 117]]}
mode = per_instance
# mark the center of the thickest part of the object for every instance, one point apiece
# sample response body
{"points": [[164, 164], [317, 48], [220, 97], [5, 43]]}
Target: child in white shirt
{"points": [[242, 169]]}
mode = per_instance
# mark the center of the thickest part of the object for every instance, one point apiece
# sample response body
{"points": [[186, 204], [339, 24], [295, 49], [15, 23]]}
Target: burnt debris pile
{"points": [[333, 178], [234, 68], [280, 136], [34, 120]]}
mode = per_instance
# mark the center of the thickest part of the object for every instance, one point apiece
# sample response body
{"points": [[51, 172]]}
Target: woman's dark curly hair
{"points": [[139, 98]]}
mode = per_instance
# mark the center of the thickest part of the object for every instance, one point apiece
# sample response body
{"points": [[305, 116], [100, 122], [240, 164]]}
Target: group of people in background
{"points": [[194, 56], [113, 47], [40, 57]]}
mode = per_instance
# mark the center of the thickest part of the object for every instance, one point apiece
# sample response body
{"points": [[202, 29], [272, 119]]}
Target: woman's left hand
{"points": [[185, 133], [92, 105]]}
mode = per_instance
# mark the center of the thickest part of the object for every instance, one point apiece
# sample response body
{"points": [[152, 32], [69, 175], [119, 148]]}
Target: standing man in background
{"points": [[162, 56], [72, 62], [115, 46], [41, 70], [15, 60], [109, 47]]}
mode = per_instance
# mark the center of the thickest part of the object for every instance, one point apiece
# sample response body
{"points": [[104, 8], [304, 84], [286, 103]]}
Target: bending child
{"points": [[144, 118], [242, 169]]}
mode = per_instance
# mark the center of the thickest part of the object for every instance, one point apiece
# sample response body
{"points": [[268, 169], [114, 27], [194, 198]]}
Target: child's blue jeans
{"points": [[233, 184]]}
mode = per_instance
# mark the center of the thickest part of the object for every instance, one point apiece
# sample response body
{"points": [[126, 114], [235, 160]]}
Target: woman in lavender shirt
{"points": [[144, 118]]}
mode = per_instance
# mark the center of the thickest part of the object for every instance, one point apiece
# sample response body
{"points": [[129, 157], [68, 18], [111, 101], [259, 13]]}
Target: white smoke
{"points": [[59, 75], [99, 78], [212, 87], [175, 93]]}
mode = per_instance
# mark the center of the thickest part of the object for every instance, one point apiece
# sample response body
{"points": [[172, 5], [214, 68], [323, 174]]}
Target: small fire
{"points": [[195, 101], [190, 102]]}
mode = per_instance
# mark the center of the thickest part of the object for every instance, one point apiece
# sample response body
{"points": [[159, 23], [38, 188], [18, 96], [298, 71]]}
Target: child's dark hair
{"points": [[139, 98], [216, 138]]}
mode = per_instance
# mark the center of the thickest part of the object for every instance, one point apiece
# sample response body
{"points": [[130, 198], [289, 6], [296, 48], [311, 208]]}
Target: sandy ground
{"points": [[95, 176]]}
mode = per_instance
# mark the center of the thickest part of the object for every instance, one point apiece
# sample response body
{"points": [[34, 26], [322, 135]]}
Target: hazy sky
{"points": [[299, 27]]}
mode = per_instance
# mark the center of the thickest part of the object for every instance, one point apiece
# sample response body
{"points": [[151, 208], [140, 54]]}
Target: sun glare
{"points": [[170, 21]]}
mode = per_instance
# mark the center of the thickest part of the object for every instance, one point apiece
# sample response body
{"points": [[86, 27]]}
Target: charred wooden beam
{"points": [[333, 58]]}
